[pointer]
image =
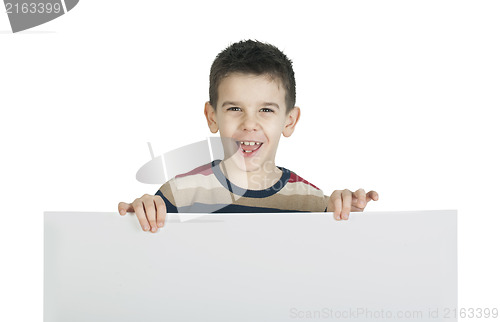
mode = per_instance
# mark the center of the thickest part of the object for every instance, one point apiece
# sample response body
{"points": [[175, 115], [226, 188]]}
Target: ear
{"points": [[211, 120], [291, 120]]}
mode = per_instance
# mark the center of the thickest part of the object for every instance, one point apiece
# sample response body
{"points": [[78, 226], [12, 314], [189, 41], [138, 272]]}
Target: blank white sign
{"points": [[394, 266]]}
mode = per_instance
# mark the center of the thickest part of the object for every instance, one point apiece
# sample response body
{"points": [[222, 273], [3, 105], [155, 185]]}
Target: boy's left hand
{"points": [[342, 201]]}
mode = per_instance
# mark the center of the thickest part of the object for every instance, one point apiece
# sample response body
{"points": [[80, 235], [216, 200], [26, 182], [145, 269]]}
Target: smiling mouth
{"points": [[249, 146]]}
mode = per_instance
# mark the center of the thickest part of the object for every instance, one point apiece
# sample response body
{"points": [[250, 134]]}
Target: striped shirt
{"points": [[207, 190]]}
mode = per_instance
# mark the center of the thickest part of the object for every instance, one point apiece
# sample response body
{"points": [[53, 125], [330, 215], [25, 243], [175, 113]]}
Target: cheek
{"points": [[227, 131], [224, 125], [274, 133]]}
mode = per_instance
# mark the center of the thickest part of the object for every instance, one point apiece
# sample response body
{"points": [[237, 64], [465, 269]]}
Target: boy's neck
{"points": [[253, 180]]}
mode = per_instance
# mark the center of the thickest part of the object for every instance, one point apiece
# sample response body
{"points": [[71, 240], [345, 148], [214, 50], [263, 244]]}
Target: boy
{"points": [[252, 103]]}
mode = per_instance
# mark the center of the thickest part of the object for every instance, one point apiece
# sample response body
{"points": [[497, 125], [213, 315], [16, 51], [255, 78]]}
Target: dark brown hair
{"points": [[253, 57]]}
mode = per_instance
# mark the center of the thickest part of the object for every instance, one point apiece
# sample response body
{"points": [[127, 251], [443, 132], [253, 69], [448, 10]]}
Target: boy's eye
{"points": [[267, 110]]}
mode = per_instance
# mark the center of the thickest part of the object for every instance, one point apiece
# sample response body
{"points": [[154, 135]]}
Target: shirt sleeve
{"points": [[165, 192]]}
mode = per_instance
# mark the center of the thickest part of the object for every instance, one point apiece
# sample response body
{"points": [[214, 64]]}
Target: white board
{"points": [[251, 267]]}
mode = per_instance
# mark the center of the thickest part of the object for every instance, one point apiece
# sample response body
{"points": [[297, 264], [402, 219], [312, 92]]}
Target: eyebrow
{"points": [[264, 104]]}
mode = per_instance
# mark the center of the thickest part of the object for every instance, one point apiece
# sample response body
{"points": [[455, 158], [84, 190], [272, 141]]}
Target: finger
{"points": [[373, 195], [141, 215], [161, 211], [360, 195], [124, 207], [336, 200], [150, 208], [346, 203]]}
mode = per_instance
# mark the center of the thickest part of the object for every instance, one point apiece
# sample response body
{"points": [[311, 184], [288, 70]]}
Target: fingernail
{"points": [[122, 212], [145, 227], [346, 217], [160, 224], [153, 229]]}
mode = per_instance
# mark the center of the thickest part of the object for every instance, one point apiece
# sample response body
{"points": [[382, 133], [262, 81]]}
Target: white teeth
{"points": [[249, 143]]}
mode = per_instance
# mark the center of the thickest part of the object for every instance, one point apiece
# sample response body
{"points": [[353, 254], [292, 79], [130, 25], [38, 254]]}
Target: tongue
{"points": [[250, 147]]}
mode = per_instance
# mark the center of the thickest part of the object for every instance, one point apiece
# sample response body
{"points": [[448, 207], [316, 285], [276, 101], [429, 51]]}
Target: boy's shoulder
{"points": [[299, 181], [304, 192], [206, 184], [205, 172], [201, 177], [205, 177]]}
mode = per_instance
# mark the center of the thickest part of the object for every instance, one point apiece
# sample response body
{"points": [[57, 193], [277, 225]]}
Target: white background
{"points": [[396, 96]]}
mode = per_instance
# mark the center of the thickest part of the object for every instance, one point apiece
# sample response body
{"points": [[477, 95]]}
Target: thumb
{"points": [[124, 207]]}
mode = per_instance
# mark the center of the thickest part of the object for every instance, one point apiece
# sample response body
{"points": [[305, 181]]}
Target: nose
{"points": [[250, 123]]}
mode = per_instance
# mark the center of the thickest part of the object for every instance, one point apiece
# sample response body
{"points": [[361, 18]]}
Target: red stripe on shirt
{"points": [[296, 178], [204, 170]]}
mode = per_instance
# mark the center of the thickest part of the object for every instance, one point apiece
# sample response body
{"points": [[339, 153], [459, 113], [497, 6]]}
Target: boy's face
{"points": [[251, 109]]}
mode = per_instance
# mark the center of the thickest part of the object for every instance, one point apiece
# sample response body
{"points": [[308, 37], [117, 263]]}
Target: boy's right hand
{"points": [[150, 210]]}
